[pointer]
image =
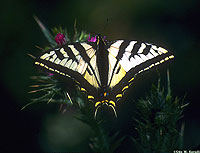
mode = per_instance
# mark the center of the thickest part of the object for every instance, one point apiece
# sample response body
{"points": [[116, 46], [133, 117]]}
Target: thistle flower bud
{"points": [[60, 39], [50, 74]]}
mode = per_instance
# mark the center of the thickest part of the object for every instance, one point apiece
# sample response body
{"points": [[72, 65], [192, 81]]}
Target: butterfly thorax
{"points": [[102, 61]]}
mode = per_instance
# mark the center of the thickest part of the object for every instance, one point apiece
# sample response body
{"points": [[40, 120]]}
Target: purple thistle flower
{"points": [[50, 74], [92, 39], [104, 38], [60, 39]]}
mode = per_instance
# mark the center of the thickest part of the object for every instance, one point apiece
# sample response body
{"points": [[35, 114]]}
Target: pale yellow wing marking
{"points": [[129, 63], [119, 72], [126, 63], [81, 66], [89, 76], [46, 55], [114, 48]]}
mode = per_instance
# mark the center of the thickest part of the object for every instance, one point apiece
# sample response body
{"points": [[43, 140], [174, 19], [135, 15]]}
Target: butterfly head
{"points": [[100, 39]]}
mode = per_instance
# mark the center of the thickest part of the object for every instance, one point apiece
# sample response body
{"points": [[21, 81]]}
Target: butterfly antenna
{"points": [[95, 113], [101, 29], [114, 110], [106, 24]]}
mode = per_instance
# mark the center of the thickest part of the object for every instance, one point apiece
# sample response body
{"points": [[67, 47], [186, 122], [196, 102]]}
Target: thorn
{"points": [[34, 86], [23, 108], [60, 108], [75, 22], [184, 105], [47, 88], [64, 110], [75, 30], [114, 110], [41, 85], [39, 22], [28, 105], [33, 77], [79, 104], [69, 98], [91, 146], [50, 99], [40, 48], [32, 91], [31, 55]]}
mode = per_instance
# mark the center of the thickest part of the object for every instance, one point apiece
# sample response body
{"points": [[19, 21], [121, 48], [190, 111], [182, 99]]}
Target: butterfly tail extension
{"points": [[96, 110], [113, 108]]}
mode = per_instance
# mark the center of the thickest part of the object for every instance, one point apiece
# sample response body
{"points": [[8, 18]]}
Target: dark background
{"points": [[172, 24]]}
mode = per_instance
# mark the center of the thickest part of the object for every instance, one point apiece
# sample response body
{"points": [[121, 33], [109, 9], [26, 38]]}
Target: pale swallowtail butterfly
{"points": [[103, 70]]}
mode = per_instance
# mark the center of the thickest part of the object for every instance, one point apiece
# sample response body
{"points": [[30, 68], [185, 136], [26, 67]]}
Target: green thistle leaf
{"points": [[45, 31], [157, 119]]}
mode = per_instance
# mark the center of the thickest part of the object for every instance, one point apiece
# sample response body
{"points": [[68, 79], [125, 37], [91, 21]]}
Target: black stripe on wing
{"points": [[122, 48], [69, 61], [135, 49], [146, 49], [61, 71], [82, 52], [136, 57], [119, 55], [120, 88], [86, 58], [69, 52]]}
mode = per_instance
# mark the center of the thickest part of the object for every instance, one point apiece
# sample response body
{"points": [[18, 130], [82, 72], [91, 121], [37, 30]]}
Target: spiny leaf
{"points": [[158, 114], [115, 143], [181, 135], [75, 31], [42, 89], [45, 31], [36, 100], [168, 86], [41, 85]]}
